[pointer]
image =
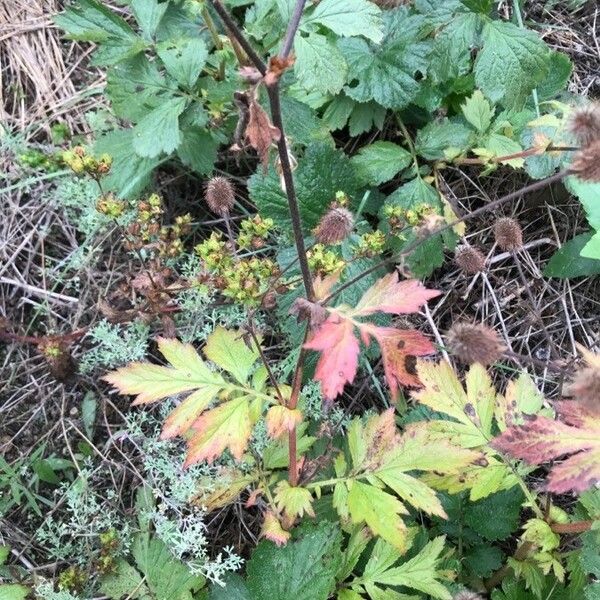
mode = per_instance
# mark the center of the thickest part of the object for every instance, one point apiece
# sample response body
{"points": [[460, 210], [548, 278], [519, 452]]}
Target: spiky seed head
{"points": [[508, 234], [469, 260], [219, 195], [335, 226], [467, 595], [584, 124], [472, 343], [586, 163]]}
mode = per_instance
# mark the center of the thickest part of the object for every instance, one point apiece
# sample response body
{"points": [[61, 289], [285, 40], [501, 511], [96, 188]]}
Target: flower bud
{"points": [[471, 343], [584, 124], [335, 226], [508, 234], [469, 260], [220, 195], [586, 163]]}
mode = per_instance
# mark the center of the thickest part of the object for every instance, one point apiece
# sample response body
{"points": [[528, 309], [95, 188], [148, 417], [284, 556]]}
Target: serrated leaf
{"points": [[380, 511], [228, 350], [294, 501], [130, 173], [184, 58], [500, 145], [576, 435], [386, 73], [229, 425], [148, 14], [304, 569], [511, 63], [319, 65], [419, 573], [136, 86], [234, 588], [198, 149], [321, 173], [381, 161], [124, 581], [90, 20], [478, 111], [166, 577], [483, 560], [436, 139], [158, 132], [567, 263], [472, 411], [339, 347], [348, 18]]}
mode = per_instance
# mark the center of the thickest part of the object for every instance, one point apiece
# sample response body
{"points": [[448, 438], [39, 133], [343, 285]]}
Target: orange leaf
{"points": [[281, 419], [339, 359]]}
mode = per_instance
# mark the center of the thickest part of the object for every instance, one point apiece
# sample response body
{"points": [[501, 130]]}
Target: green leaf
{"points": [[148, 13], [380, 162], [482, 6], [510, 65], [13, 591], [453, 45], [130, 173], [124, 581], [319, 64], [321, 173], [588, 194], [184, 59], [380, 511], [483, 560], [91, 21], [558, 76], [158, 132], [89, 405], [228, 350], [500, 145], [302, 125], [198, 149], [304, 569], [348, 18], [568, 263], [235, 588], [4, 554], [592, 248], [480, 515], [437, 139], [166, 577], [338, 112], [386, 73], [478, 111], [136, 86], [419, 573]]}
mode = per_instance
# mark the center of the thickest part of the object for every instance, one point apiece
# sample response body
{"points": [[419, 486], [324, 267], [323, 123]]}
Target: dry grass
{"points": [[41, 76]]}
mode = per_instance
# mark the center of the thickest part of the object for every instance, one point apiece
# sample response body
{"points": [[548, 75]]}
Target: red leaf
{"points": [[390, 295], [398, 349], [542, 440], [339, 359]]}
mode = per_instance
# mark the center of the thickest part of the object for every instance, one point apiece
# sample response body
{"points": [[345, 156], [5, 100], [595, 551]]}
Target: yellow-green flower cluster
{"points": [[323, 261], [214, 252], [110, 205], [80, 162], [254, 232], [371, 244], [247, 280]]}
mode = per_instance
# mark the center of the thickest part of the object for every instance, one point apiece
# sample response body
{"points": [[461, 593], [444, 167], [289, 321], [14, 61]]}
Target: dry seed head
{"points": [[584, 124], [469, 260], [508, 234], [219, 195], [335, 226], [586, 163], [472, 343]]}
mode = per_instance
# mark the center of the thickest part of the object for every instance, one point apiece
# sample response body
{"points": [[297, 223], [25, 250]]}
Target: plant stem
{"points": [[288, 178], [292, 29], [576, 527], [239, 36], [533, 187]]}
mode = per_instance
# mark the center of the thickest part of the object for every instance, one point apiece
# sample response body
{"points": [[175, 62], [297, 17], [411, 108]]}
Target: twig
{"points": [[534, 187]]}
